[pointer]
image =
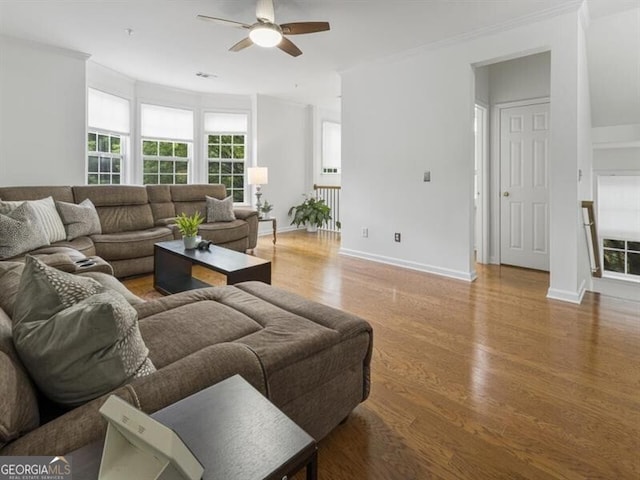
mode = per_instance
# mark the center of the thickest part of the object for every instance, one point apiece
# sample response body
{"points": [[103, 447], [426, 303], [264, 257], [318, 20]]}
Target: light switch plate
{"points": [[427, 176]]}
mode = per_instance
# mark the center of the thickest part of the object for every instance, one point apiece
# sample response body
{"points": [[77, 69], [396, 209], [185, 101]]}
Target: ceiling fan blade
{"points": [[298, 28], [264, 11], [222, 21], [241, 45], [288, 46]]}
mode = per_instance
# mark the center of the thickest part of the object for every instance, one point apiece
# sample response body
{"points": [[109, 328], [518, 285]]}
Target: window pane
{"points": [[214, 151], [115, 179], [238, 196], [182, 167], [150, 166], [181, 179], [105, 179], [166, 166], [93, 164], [226, 180], [633, 263], [238, 152], [91, 142], [238, 181], [213, 179], [166, 179], [214, 139], [214, 167], [149, 148], [226, 167], [115, 165], [226, 139], [614, 261], [115, 144], [225, 151], [92, 179], [238, 139], [150, 179], [238, 168], [614, 244], [103, 143], [181, 150], [166, 149], [635, 246], [105, 165]]}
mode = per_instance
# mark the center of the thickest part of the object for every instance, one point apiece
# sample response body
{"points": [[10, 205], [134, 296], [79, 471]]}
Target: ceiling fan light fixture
{"points": [[265, 35]]}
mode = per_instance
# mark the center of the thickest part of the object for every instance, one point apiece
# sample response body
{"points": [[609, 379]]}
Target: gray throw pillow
{"points": [[10, 274], [77, 340], [79, 220], [47, 215], [220, 210], [20, 232]]}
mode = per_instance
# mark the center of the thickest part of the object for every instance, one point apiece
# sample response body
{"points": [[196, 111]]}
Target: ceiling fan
{"points": [[266, 33]]}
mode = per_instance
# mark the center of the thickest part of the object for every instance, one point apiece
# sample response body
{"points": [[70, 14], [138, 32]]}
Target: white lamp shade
{"points": [[258, 175]]}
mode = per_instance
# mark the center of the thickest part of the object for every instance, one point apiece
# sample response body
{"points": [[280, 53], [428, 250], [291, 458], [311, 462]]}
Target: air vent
{"points": [[206, 75]]}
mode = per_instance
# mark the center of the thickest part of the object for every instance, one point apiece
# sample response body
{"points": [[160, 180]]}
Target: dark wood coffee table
{"points": [[235, 432], [173, 265]]}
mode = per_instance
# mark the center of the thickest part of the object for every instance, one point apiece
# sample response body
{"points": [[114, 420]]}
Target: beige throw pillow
{"points": [[79, 220], [220, 210], [47, 216], [20, 232]]}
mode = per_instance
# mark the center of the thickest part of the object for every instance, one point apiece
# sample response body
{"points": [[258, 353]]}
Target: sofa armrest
{"points": [[162, 388], [251, 217]]}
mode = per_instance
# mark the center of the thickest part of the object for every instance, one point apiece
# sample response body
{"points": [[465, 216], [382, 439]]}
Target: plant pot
{"points": [[312, 228], [266, 215], [190, 242]]}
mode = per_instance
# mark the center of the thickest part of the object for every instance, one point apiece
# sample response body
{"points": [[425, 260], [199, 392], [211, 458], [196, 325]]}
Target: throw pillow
{"points": [[20, 232], [77, 340], [79, 220], [220, 210], [47, 215]]}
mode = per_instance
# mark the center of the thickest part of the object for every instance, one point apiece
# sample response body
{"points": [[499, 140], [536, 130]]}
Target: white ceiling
{"points": [[169, 45]]}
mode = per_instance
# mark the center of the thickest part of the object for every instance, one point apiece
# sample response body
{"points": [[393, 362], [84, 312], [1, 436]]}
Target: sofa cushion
{"points": [[126, 218], [47, 216], [79, 220], [18, 402], [59, 193], [10, 274], [77, 339], [224, 232], [162, 206], [220, 210], [20, 231], [125, 245], [197, 193]]}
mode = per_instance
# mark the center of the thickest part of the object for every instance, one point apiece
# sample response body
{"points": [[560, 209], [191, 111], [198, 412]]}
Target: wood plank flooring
{"points": [[488, 380]]}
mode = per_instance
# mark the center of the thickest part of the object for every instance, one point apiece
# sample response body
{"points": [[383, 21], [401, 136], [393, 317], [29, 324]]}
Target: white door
{"points": [[524, 186]]}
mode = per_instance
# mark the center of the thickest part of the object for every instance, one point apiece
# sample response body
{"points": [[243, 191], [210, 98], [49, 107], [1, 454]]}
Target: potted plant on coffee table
{"points": [[312, 212], [188, 226]]}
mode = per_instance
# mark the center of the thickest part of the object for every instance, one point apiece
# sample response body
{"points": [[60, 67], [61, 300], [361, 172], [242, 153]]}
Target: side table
{"points": [[234, 431], [274, 224]]}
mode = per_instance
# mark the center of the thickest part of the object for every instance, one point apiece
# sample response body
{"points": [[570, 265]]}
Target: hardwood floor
{"points": [[488, 380]]}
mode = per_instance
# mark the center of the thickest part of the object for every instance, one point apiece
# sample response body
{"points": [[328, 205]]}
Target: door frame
{"points": [[482, 240], [495, 200]]}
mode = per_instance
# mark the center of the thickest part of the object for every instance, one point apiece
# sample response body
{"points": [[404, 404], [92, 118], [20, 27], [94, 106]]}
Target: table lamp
{"points": [[258, 176]]}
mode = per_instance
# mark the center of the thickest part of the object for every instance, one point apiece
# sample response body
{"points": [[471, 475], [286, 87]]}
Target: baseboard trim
{"points": [[567, 295], [396, 262]]}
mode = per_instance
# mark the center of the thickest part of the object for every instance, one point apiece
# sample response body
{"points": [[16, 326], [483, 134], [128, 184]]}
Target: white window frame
{"points": [[331, 170], [164, 158], [124, 145]]}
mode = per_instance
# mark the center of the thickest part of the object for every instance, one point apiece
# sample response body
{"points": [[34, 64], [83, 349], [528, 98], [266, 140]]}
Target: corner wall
{"points": [[42, 114]]}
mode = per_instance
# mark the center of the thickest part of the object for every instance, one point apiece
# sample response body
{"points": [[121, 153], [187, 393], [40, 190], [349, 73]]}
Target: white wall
{"points": [[414, 113], [520, 79], [42, 114], [283, 145]]}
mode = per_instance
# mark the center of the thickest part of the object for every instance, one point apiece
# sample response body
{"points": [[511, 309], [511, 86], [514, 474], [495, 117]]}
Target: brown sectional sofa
{"points": [[310, 360], [134, 218]]}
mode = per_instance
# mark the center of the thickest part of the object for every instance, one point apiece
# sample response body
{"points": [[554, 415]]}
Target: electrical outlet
{"points": [[396, 237], [365, 233]]}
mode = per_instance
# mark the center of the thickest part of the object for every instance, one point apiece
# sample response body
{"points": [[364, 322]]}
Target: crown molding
{"points": [[45, 47]]}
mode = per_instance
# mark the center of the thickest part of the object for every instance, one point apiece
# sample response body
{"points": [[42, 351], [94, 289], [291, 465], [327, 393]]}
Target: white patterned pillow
{"points": [[220, 210], [77, 339], [20, 232], [47, 214], [79, 220]]}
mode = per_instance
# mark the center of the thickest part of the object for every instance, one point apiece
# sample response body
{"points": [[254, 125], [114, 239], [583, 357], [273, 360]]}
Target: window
{"points": [[167, 136], [226, 137], [619, 225], [108, 126], [331, 148]]}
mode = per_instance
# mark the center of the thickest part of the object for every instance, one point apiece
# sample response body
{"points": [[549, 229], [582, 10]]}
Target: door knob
{"points": [[505, 194]]}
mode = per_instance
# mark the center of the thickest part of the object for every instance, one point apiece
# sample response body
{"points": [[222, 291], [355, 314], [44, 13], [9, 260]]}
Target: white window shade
{"points": [[108, 112], [331, 145], [225, 122], [619, 207], [166, 123]]}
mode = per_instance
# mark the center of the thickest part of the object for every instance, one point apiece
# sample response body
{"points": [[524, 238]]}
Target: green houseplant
{"points": [[188, 226], [312, 212], [266, 209]]}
